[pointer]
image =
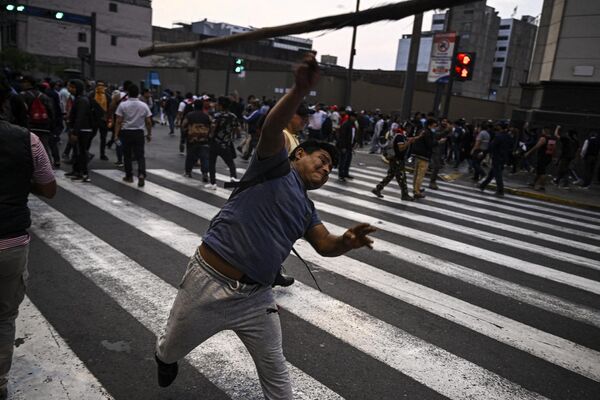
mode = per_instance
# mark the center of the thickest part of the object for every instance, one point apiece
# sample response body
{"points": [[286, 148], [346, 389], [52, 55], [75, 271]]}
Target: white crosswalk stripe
{"points": [[224, 361]]}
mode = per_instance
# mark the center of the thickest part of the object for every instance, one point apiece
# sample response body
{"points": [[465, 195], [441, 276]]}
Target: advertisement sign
{"points": [[442, 49]]}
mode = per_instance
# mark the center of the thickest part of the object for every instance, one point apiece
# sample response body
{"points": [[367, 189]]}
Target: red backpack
{"points": [[38, 115], [550, 146]]}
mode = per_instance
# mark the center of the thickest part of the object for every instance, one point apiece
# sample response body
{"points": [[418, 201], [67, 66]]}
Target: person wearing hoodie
{"points": [[80, 129]]}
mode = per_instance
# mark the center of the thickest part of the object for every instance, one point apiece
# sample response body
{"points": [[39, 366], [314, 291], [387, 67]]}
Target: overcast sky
{"points": [[376, 44]]}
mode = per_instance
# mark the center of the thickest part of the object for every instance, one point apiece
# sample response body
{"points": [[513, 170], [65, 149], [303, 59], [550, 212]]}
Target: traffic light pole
{"points": [[227, 72], [93, 47], [411, 67], [451, 78], [351, 62]]}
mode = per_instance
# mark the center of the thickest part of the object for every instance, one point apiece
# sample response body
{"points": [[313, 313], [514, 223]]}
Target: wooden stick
{"points": [[394, 11]]}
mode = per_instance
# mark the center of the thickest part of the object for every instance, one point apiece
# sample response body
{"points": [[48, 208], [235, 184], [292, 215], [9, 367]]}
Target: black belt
{"points": [[247, 280]]}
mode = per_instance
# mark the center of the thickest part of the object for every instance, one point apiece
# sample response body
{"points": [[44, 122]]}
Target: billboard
{"points": [[442, 49]]}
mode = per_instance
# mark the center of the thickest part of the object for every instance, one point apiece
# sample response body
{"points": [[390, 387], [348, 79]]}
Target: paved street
{"points": [[464, 296]]}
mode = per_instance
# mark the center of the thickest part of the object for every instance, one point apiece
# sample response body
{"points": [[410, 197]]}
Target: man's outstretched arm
{"points": [[329, 245], [271, 139]]}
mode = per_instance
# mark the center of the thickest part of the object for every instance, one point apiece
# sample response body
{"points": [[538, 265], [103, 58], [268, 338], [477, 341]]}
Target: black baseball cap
{"points": [[302, 110], [312, 145]]}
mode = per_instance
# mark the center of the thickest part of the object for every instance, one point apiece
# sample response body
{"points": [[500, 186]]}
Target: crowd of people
{"points": [[212, 127]]}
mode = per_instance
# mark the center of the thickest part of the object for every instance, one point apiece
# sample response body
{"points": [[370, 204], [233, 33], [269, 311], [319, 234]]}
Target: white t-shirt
{"points": [[335, 119], [134, 113], [315, 121], [484, 140]]}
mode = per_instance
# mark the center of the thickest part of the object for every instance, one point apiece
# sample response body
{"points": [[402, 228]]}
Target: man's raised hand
{"points": [[307, 73]]}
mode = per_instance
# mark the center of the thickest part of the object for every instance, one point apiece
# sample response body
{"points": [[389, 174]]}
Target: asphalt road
{"points": [[465, 296]]}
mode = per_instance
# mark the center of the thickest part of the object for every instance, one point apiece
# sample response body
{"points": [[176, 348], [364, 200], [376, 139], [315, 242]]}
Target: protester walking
{"points": [[396, 166], [133, 116], [221, 143], [422, 148], [80, 130], [500, 150], [197, 131], [100, 103], [345, 145], [545, 148]]}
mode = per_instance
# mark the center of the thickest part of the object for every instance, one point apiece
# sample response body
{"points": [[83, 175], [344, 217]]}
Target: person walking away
{"points": [[24, 168], [221, 144], [568, 151], [335, 123], [245, 245], [170, 110], [377, 131], [345, 145], [589, 154], [80, 134], [315, 122], [40, 110], [421, 150], [132, 116], [458, 139], [396, 166], [197, 128], [251, 121], [440, 138], [480, 150], [500, 150], [100, 102], [57, 122], [185, 106], [545, 148], [118, 97]]}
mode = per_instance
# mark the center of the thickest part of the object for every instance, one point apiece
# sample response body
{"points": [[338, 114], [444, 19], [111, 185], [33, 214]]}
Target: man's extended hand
{"points": [[356, 237], [307, 73]]}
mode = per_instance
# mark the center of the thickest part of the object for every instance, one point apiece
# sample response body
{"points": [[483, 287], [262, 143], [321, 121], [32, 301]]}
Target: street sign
{"points": [[442, 49]]}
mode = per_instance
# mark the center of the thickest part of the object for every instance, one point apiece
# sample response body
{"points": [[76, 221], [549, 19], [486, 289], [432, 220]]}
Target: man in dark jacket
{"points": [[41, 111], [24, 168], [500, 149], [80, 126], [422, 149], [345, 144]]}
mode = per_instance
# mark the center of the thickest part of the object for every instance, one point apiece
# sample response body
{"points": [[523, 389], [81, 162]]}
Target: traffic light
{"points": [[239, 65], [464, 65]]}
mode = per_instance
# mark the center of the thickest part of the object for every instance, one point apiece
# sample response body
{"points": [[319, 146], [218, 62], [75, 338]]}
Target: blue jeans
{"points": [[171, 121], [208, 302], [13, 278]]}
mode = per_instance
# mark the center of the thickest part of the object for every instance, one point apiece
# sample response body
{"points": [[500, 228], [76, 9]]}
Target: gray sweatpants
{"points": [[13, 276], [208, 302]]}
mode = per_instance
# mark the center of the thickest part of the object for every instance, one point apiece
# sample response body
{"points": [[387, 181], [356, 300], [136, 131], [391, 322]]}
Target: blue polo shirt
{"points": [[255, 230]]}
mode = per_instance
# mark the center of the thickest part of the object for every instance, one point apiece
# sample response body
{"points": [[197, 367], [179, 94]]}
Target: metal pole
{"points": [[227, 72], [351, 63], [93, 48], [411, 67], [452, 65]]}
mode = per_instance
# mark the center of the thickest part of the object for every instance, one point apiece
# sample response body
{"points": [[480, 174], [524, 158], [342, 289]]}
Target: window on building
{"points": [[502, 37], [500, 59], [502, 27], [81, 36], [502, 48], [113, 40], [112, 7]]}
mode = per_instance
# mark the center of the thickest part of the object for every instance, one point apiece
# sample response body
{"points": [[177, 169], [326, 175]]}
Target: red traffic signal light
{"points": [[464, 66]]}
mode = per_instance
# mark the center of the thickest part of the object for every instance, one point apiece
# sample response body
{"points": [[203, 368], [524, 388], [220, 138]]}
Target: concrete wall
{"points": [[369, 90], [131, 24]]}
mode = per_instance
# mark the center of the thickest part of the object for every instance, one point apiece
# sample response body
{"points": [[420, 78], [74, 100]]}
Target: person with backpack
{"points": [[399, 143], [568, 151], [197, 126], [40, 112], [185, 106], [226, 125], [100, 102], [118, 97], [545, 148], [80, 133], [228, 280]]}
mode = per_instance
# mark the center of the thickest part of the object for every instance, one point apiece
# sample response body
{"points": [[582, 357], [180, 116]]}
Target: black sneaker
{"points": [[166, 372], [407, 198], [283, 280], [377, 193], [103, 157], [141, 181], [85, 179]]}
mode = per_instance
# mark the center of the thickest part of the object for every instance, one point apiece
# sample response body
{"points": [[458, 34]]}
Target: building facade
{"points": [[123, 26], [564, 80]]}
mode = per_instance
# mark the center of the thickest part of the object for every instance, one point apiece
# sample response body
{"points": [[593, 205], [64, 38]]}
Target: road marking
{"points": [[44, 366], [549, 347], [223, 359], [428, 364], [521, 293], [518, 201], [480, 234]]}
